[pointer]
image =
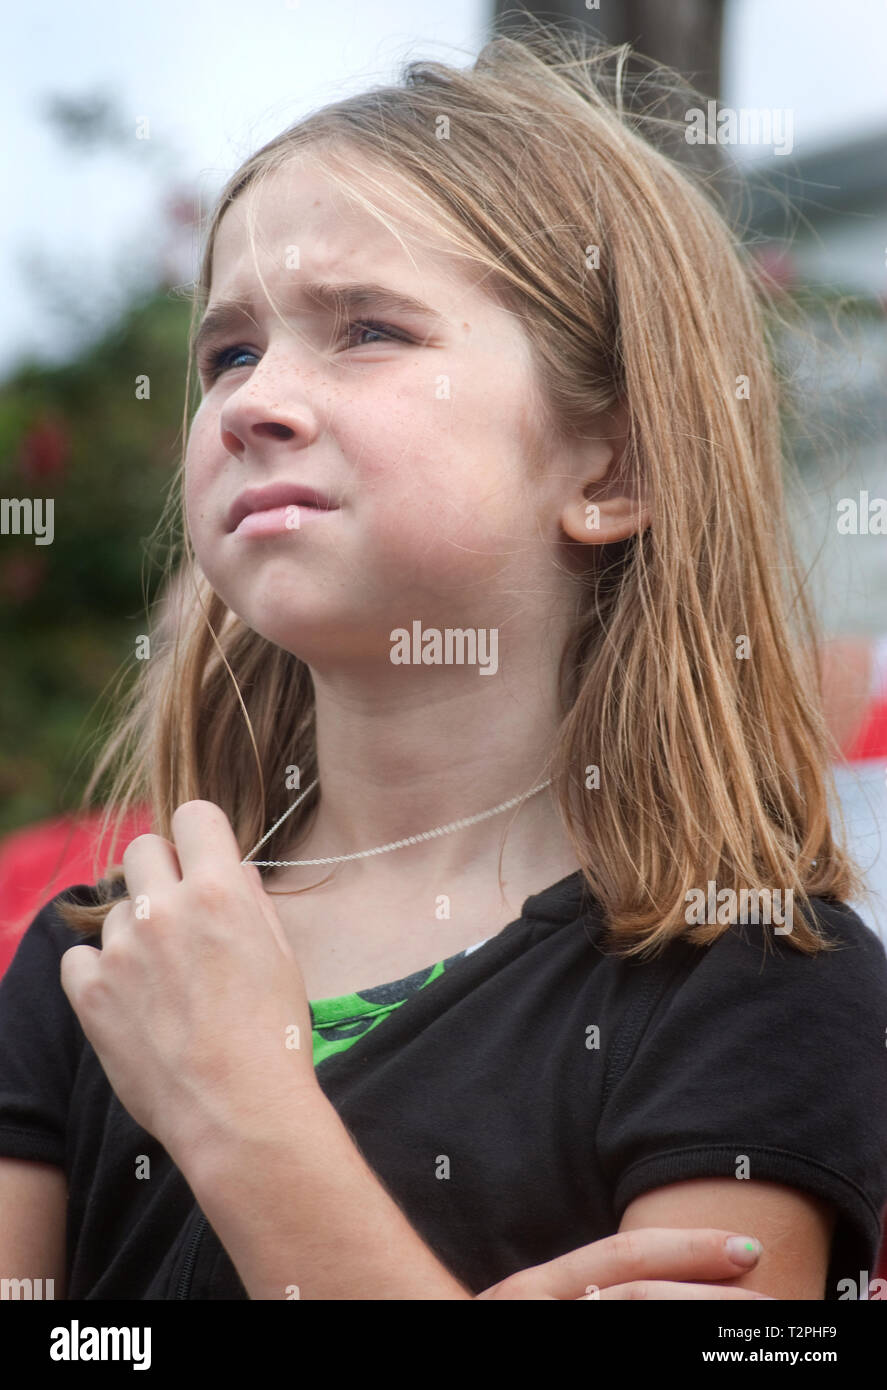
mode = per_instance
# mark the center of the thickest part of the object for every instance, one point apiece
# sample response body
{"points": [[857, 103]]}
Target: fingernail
{"points": [[743, 1250]]}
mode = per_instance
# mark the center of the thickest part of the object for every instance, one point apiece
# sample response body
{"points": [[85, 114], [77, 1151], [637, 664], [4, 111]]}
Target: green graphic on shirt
{"points": [[337, 1023]]}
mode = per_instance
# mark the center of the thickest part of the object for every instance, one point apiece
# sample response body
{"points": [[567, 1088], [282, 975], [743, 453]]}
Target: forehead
{"points": [[302, 224]]}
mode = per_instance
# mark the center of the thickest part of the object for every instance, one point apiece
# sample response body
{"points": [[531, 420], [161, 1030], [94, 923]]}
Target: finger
{"points": [[77, 967], [666, 1289], [150, 864], [204, 840], [648, 1253], [118, 919]]}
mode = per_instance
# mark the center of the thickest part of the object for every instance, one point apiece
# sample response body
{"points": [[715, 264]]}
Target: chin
{"points": [[301, 633]]}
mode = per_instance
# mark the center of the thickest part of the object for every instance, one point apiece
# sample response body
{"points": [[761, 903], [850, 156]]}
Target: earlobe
{"points": [[613, 512], [599, 523]]}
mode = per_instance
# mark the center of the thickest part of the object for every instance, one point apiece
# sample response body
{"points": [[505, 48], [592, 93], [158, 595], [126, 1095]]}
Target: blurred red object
{"points": [[39, 861], [870, 740], [44, 449]]}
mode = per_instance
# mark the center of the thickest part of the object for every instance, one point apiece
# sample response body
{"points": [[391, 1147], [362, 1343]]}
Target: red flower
{"points": [[44, 450]]}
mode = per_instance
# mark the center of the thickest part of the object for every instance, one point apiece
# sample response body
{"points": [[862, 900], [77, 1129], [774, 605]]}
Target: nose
{"points": [[256, 414]]}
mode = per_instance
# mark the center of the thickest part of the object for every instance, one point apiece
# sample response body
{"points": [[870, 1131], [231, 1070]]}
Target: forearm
{"points": [[304, 1211]]}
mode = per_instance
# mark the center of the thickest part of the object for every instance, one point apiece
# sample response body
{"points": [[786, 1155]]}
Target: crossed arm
{"points": [[308, 1211], [188, 963]]}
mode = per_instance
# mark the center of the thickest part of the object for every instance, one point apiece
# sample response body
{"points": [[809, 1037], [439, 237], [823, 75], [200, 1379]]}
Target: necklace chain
{"points": [[380, 849]]}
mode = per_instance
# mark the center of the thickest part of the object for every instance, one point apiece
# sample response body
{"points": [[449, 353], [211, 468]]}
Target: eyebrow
{"points": [[227, 315]]}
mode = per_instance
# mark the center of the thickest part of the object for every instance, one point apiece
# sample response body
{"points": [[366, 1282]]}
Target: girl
{"points": [[490, 721]]}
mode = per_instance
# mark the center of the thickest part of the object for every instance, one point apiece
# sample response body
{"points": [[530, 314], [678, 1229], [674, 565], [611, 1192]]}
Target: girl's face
{"points": [[418, 429]]}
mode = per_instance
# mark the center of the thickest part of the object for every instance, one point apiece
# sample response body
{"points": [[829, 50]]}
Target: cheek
{"points": [[197, 519], [449, 489], [442, 538], [197, 484]]}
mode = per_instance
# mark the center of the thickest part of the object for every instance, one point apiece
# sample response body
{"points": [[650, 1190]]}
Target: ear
{"points": [[603, 505]]}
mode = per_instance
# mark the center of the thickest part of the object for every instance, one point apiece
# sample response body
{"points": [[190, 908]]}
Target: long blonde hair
{"points": [[712, 767]]}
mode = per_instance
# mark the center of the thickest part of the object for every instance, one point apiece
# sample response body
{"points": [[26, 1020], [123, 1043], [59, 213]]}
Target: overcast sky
{"points": [[218, 79]]}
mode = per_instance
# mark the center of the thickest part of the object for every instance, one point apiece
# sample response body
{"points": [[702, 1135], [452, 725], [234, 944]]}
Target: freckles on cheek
{"points": [[193, 506], [199, 519], [197, 475]]}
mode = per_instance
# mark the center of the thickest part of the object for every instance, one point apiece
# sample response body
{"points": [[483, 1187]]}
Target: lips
{"points": [[264, 499]]}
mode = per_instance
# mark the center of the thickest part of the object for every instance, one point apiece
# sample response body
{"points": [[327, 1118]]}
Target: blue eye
{"points": [[218, 360], [221, 359], [373, 326]]}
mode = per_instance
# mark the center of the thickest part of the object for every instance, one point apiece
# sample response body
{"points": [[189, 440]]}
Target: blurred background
{"points": [[124, 123]]}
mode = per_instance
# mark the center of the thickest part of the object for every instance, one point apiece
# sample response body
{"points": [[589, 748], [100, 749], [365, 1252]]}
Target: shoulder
{"points": [[751, 1026], [752, 1040], [753, 965], [42, 1044], [750, 984], [48, 935]]}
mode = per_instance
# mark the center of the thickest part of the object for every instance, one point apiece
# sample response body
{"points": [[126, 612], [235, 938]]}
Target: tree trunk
{"points": [[683, 34]]}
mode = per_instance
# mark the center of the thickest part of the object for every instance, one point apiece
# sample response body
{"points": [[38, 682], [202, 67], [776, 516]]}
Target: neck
{"points": [[451, 746]]}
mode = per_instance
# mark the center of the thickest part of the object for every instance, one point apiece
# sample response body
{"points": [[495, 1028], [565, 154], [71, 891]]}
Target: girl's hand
{"points": [[195, 1004], [649, 1263]]}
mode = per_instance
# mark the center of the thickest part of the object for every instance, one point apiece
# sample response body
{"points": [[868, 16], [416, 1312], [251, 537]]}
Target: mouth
{"points": [[278, 521], [279, 504]]}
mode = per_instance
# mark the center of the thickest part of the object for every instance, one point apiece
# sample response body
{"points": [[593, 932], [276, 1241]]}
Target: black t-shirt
{"points": [[515, 1105]]}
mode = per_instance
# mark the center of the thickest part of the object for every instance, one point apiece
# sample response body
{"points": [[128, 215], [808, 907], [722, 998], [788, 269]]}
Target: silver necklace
{"points": [[380, 849]]}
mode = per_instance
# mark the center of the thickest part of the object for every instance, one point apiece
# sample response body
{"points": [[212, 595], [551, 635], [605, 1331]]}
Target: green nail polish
{"points": [[744, 1250]]}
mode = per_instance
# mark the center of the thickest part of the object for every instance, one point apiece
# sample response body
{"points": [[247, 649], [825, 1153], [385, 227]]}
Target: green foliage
{"points": [[70, 612]]}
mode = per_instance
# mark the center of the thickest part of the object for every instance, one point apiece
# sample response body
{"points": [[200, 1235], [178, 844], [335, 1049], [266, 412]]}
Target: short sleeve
{"points": [[41, 1039], [770, 1064]]}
